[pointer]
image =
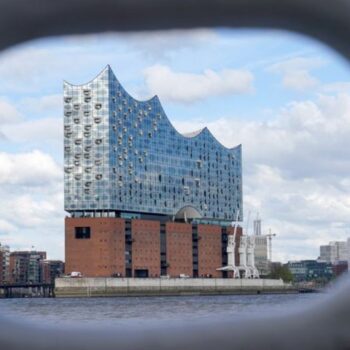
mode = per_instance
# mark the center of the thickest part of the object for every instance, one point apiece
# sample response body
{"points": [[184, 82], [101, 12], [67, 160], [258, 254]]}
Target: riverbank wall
{"points": [[103, 287]]}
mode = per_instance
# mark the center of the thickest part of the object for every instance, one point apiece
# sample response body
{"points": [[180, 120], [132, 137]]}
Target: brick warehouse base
{"points": [[106, 247]]}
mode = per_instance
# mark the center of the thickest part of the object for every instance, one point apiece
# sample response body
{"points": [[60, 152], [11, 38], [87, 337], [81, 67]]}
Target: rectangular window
{"points": [[82, 232]]}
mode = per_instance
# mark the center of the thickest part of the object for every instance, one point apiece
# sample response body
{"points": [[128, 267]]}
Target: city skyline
{"points": [[303, 201]]}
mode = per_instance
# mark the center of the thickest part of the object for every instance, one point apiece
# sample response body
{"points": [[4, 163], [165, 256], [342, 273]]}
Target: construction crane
{"points": [[230, 249], [269, 237]]}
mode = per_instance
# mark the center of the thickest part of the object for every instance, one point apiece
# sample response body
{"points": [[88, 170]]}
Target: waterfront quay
{"points": [[104, 286], [24, 290]]}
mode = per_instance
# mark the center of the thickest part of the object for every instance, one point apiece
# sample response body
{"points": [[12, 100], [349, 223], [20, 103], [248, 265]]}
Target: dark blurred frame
{"points": [[324, 325]]}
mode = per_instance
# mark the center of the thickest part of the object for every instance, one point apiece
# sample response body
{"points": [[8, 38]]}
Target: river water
{"points": [[142, 311]]}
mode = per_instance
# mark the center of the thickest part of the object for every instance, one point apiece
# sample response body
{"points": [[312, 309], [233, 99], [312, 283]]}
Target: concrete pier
{"points": [[23, 290], [102, 287]]}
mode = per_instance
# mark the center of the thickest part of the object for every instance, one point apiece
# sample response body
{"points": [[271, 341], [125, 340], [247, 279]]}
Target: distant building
{"points": [[261, 255], [310, 270], [257, 226], [261, 249], [50, 269], [328, 253], [4, 263], [25, 266], [334, 251], [340, 267]]}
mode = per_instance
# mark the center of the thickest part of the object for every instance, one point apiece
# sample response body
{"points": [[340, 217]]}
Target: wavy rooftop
{"points": [[124, 155]]}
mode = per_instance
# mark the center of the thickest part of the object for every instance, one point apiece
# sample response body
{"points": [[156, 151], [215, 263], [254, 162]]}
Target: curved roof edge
{"points": [[187, 135], [204, 130], [193, 133], [90, 81]]}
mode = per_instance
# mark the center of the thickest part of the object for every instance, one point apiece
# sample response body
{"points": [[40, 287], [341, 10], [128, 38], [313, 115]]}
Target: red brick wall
{"points": [[340, 268], [12, 268], [102, 254], [45, 273], [179, 249], [209, 250], [146, 246]]}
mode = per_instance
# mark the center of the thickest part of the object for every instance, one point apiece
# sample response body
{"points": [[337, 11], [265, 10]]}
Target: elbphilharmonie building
{"points": [[123, 158]]}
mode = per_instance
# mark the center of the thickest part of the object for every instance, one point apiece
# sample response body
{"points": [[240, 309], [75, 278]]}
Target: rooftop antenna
{"points": [[235, 226], [257, 225], [248, 217]]}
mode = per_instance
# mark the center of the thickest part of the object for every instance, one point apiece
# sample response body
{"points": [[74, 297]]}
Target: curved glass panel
{"points": [[144, 165]]}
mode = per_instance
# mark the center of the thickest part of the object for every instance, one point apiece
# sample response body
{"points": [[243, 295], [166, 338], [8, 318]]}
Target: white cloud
{"points": [[337, 87], [18, 124], [35, 131], [304, 139], [8, 112], [6, 228], [47, 104], [48, 236], [29, 121], [22, 69], [39, 66], [187, 87], [296, 73], [32, 212], [303, 213], [31, 191], [296, 171], [299, 80], [33, 169]]}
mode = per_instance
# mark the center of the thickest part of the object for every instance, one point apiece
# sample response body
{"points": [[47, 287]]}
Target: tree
{"points": [[281, 271]]}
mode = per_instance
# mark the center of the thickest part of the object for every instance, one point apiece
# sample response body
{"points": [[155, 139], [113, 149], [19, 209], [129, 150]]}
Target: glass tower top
{"points": [[123, 155]]}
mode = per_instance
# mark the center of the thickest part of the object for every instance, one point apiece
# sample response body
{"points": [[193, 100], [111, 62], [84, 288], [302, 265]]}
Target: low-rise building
{"points": [[311, 270], [25, 266], [4, 263], [50, 269]]}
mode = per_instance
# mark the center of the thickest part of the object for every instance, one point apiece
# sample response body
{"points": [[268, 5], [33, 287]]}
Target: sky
{"points": [[284, 97]]}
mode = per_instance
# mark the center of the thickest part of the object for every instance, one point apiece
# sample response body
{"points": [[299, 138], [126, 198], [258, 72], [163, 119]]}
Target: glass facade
{"points": [[123, 155]]}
